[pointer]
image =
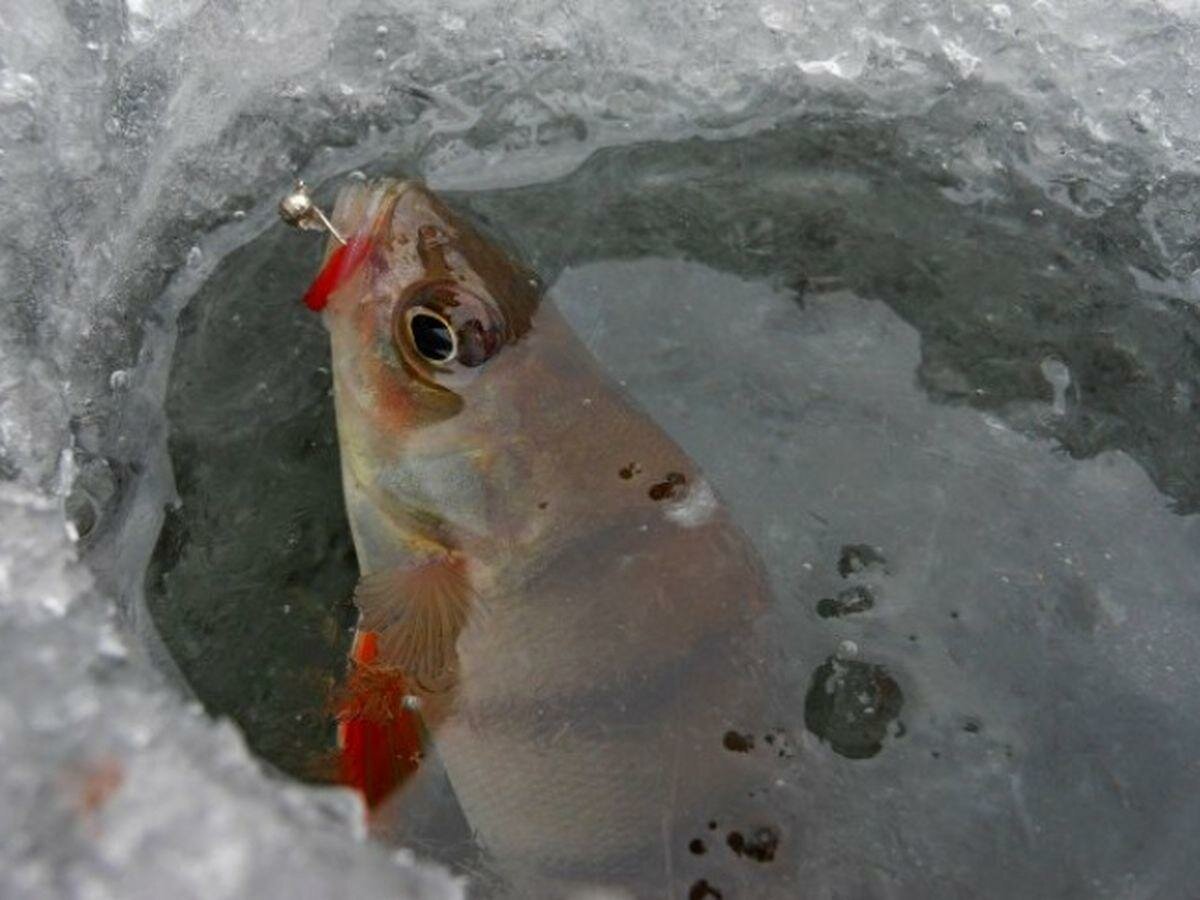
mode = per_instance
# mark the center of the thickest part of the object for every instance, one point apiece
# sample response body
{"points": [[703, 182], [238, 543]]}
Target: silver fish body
{"points": [[568, 592]]}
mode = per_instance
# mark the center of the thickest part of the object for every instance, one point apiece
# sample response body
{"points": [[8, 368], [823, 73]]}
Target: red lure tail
{"points": [[342, 264], [378, 736]]}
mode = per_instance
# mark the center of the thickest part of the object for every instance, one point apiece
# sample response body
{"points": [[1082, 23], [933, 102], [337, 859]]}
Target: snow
{"points": [[116, 787]]}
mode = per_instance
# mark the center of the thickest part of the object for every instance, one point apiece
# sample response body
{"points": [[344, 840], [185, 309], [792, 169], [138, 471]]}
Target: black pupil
{"points": [[431, 337]]}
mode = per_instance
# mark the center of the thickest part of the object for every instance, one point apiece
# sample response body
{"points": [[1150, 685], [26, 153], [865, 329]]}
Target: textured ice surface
{"points": [[1016, 181], [114, 787], [1037, 613]]}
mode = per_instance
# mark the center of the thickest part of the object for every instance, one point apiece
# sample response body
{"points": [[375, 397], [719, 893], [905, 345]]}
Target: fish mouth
{"points": [[364, 208]]}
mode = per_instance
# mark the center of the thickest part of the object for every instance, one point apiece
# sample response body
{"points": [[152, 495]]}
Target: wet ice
{"points": [[1021, 683]]}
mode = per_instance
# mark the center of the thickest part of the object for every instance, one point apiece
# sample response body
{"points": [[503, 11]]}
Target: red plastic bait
{"points": [[342, 264]]}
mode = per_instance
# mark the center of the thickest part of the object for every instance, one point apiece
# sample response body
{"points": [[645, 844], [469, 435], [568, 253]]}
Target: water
{"points": [[986, 637], [911, 277]]}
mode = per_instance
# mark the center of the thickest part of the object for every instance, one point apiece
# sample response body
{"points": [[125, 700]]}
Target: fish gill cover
{"points": [[1016, 181]]}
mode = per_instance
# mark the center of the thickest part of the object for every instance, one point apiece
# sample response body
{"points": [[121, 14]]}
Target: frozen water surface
{"points": [[916, 283]]}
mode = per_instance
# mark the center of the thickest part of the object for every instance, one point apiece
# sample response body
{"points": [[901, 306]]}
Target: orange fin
{"points": [[379, 737], [417, 613]]}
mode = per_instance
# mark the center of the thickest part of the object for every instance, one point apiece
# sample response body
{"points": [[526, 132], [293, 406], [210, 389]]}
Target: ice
{"points": [[1029, 607], [988, 213], [114, 787]]}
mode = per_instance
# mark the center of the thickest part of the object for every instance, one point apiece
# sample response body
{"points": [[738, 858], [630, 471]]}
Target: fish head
{"points": [[431, 327], [425, 303]]}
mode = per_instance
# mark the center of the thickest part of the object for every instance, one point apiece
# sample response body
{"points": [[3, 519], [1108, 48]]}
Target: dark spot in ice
{"points": [[697, 847], [712, 824], [173, 541], [935, 754], [913, 638], [954, 613], [852, 600], [702, 890], [543, 505], [669, 488], [418, 93], [799, 287], [760, 846], [629, 471], [777, 739], [901, 729], [738, 742], [859, 557], [971, 726], [850, 704]]}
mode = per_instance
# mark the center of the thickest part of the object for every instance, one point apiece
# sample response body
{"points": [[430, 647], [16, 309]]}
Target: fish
{"points": [[553, 599]]}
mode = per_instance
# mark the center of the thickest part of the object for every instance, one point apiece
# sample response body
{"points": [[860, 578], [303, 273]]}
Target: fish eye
{"points": [[444, 325], [431, 336]]}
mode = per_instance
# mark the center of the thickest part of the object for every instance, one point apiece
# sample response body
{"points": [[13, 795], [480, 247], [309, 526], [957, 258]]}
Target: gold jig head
{"points": [[299, 211]]}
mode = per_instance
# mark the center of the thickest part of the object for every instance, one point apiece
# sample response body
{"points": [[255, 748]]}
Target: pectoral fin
{"points": [[417, 613]]}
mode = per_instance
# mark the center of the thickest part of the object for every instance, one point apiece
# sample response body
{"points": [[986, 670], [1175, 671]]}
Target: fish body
{"points": [[543, 568]]}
